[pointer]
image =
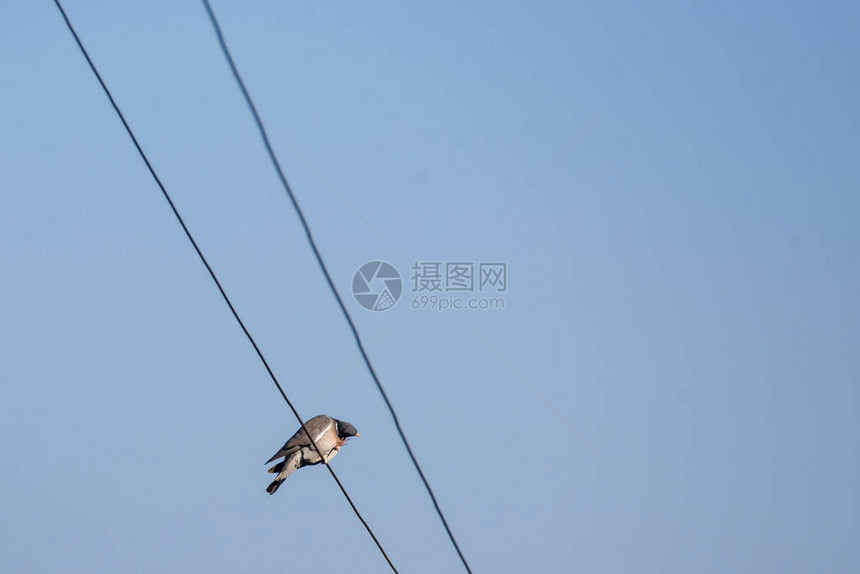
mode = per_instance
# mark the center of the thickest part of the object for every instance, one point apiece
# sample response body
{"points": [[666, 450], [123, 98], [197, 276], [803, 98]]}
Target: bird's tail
{"points": [[284, 469], [272, 488]]}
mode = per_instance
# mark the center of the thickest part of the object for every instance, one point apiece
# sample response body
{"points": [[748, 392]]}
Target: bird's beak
{"points": [[357, 434]]}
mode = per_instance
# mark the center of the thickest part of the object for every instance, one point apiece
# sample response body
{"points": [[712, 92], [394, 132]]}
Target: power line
{"points": [[327, 275], [215, 278]]}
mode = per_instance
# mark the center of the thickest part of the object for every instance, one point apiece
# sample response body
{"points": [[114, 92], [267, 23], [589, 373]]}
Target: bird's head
{"points": [[346, 430]]}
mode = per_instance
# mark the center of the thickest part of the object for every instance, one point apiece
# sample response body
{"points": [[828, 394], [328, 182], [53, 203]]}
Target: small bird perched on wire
{"points": [[328, 433]]}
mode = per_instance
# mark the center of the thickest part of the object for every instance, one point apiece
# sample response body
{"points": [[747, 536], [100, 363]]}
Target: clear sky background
{"points": [[683, 286]]}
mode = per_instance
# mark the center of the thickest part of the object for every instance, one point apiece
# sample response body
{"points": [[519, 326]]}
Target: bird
{"points": [[329, 435]]}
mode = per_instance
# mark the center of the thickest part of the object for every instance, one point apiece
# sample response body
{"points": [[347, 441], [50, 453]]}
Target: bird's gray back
{"points": [[317, 427]]}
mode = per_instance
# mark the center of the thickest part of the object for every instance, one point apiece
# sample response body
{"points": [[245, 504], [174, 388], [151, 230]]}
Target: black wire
{"points": [[215, 278], [327, 275]]}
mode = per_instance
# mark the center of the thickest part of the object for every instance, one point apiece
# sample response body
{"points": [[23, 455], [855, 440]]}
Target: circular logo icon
{"points": [[377, 286]]}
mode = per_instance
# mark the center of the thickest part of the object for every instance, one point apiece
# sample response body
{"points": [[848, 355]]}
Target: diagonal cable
{"points": [[325, 181], [327, 275], [215, 278]]}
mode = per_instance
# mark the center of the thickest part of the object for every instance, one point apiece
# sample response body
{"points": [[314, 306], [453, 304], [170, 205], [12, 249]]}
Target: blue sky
{"points": [[671, 386]]}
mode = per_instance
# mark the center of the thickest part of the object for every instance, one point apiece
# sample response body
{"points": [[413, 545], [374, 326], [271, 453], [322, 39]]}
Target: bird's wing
{"points": [[285, 451], [318, 426]]}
